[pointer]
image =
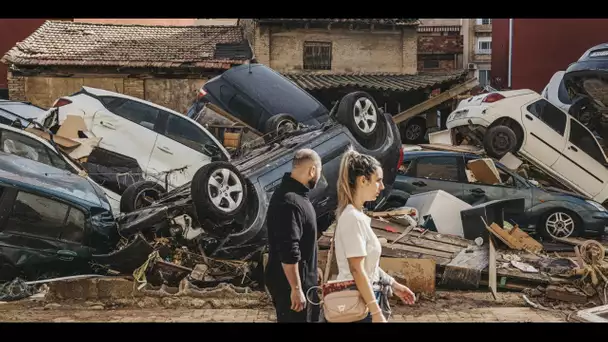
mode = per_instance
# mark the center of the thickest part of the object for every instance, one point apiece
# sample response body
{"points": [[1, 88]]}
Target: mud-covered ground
{"points": [[452, 306]]}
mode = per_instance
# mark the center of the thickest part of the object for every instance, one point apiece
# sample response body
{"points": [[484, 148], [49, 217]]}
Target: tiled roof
{"points": [[372, 81], [84, 44], [379, 21]]}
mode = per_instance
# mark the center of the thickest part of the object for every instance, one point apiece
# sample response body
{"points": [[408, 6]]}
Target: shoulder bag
{"points": [[341, 301]]}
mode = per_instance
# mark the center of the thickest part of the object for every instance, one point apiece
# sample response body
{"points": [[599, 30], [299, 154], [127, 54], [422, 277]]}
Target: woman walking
{"points": [[357, 247]]}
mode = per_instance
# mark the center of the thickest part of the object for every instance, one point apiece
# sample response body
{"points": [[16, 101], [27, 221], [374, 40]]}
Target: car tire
{"points": [[136, 193], [279, 124], [413, 131], [499, 140], [559, 220], [210, 191], [359, 112]]}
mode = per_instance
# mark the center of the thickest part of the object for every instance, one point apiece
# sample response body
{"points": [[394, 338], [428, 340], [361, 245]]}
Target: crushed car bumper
{"points": [[595, 222]]}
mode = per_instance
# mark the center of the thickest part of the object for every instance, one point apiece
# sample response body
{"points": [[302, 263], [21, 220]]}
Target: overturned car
{"points": [[222, 212]]}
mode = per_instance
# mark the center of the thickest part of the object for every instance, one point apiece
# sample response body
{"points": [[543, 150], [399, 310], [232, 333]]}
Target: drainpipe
{"points": [[510, 51]]}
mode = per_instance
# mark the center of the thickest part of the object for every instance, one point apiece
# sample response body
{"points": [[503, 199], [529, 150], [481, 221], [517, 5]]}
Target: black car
{"points": [[587, 83], [549, 212], [254, 93], [52, 221], [238, 217]]}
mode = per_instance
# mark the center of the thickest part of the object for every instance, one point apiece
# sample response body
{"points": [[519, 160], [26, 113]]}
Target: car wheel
{"points": [[559, 224], [499, 140], [278, 125], [218, 191], [359, 112], [414, 131], [140, 195]]}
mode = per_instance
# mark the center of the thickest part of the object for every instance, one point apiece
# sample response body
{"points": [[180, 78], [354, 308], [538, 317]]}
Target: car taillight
{"points": [[201, 93], [401, 156], [493, 98], [61, 102]]}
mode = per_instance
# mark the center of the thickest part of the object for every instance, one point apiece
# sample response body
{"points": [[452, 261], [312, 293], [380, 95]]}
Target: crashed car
{"points": [[523, 122], [548, 212], [224, 208], [52, 221], [256, 95], [587, 81], [16, 139], [157, 137]]}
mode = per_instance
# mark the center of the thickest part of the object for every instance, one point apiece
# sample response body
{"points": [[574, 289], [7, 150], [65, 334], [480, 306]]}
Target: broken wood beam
{"points": [[566, 294], [416, 241], [464, 271]]}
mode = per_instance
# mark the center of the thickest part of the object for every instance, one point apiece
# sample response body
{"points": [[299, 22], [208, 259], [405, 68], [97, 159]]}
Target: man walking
{"points": [[292, 237]]}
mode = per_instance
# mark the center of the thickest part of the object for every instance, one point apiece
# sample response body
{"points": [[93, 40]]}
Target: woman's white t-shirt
{"points": [[354, 237]]}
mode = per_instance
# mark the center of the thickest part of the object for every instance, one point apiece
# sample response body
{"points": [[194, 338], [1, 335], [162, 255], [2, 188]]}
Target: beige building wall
{"points": [[352, 50], [176, 94]]}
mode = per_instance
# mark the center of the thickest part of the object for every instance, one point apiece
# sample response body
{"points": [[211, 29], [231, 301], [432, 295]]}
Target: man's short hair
{"points": [[306, 155]]}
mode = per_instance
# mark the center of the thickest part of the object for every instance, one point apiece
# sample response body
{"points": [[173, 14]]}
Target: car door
{"points": [[180, 144], [582, 161], [40, 235], [126, 127], [429, 173], [545, 128]]}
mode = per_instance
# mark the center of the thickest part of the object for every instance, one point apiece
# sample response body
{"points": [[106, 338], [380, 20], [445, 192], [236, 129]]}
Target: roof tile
{"points": [[372, 81], [85, 44]]}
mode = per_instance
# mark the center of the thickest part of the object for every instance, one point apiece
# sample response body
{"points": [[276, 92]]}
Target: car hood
{"points": [[557, 192]]}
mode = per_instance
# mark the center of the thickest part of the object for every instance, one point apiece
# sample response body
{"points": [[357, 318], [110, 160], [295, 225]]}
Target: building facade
{"points": [[333, 46], [478, 48], [541, 47], [440, 45]]}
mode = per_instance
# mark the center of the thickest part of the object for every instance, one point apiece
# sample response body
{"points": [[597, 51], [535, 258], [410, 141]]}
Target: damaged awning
{"points": [[398, 82]]}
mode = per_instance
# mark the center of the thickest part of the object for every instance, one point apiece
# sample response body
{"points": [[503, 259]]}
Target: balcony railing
{"points": [[483, 28], [483, 51]]}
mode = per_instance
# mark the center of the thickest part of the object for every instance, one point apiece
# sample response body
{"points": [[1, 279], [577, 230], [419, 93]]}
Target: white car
{"points": [[28, 145], [556, 93], [523, 122], [159, 138]]}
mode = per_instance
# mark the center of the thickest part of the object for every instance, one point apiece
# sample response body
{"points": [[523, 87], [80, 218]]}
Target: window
{"points": [[40, 216], [185, 132], [317, 55], [23, 146], [440, 168], [139, 113], [404, 168], [484, 21], [484, 78], [431, 64], [484, 46], [244, 110], [549, 114], [583, 139]]}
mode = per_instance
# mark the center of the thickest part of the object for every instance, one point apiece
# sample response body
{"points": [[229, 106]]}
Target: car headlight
{"points": [[596, 205]]}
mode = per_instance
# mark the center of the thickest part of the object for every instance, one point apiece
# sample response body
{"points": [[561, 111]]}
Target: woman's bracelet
{"points": [[371, 301]]}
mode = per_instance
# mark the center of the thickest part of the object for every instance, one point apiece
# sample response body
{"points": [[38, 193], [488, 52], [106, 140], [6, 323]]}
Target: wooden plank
{"points": [[399, 212], [398, 253], [418, 242], [435, 101], [417, 274], [452, 148], [464, 271], [232, 118], [492, 268], [419, 250], [516, 238], [530, 277], [569, 294], [428, 235]]}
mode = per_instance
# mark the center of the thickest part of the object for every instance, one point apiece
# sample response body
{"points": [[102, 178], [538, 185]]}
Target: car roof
{"points": [[31, 175]]}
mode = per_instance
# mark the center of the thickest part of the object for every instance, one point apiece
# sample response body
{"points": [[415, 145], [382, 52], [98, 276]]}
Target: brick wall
{"points": [[16, 87], [352, 50], [444, 65]]}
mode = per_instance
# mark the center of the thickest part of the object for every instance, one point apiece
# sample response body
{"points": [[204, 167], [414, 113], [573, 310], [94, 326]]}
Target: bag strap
{"points": [[330, 255]]}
